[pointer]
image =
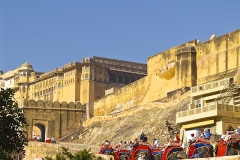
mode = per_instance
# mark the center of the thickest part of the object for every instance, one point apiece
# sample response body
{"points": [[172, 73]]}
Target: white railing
{"points": [[211, 107]]}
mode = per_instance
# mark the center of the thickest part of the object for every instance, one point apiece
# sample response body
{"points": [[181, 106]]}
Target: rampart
{"points": [[39, 150], [53, 118], [124, 113], [183, 66], [217, 56]]}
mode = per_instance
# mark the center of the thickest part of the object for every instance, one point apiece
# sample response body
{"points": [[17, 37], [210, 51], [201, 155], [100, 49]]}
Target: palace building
{"points": [[83, 82]]}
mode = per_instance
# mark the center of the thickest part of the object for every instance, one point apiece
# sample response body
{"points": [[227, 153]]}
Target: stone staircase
{"points": [[229, 91], [71, 136], [236, 100]]}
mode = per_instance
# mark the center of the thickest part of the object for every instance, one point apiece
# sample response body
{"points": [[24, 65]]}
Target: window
{"points": [[59, 85]]}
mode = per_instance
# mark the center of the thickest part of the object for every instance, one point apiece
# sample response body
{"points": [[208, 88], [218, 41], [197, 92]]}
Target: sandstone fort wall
{"points": [[38, 150], [186, 65], [216, 56], [59, 119]]}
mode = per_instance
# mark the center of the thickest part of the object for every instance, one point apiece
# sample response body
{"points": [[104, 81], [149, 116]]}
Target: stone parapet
{"points": [[39, 150]]}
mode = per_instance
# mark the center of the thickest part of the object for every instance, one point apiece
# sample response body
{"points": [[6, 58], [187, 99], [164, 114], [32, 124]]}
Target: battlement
{"points": [[186, 49], [40, 104]]}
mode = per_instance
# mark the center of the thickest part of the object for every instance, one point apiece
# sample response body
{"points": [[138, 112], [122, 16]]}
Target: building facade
{"points": [[82, 82], [214, 105]]}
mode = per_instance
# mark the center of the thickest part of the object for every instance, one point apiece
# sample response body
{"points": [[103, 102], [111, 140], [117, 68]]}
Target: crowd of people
{"points": [[230, 132], [143, 139], [38, 139], [204, 136]]}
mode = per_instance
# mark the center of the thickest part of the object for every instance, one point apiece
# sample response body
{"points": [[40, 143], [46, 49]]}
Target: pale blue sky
{"points": [[51, 33]]}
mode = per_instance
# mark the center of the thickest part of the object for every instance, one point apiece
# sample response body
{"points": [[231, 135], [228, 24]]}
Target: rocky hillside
{"points": [[156, 122]]}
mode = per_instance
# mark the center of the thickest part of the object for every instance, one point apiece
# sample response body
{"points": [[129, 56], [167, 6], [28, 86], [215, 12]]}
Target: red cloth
{"points": [[177, 139]]}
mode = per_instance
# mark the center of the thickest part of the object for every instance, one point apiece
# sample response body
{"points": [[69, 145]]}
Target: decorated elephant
{"points": [[197, 150], [122, 154], [227, 148], [141, 152], [106, 149], [169, 153]]}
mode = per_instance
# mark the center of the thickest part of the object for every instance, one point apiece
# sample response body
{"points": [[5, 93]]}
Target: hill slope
{"points": [[150, 120]]}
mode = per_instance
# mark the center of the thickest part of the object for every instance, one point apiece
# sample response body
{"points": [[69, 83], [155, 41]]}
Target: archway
{"points": [[120, 79], [133, 79], [126, 79], [113, 78], [40, 130]]}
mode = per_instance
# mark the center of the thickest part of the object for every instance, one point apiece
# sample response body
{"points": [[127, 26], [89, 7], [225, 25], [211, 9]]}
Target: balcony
{"points": [[213, 110], [211, 87]]}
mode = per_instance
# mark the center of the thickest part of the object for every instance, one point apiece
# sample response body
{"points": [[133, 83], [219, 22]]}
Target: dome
{"points": [[212, 37], [26, 66]]}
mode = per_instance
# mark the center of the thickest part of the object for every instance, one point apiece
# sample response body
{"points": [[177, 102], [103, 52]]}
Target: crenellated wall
{"points": [[186, 65], [53, 118], [219, 55]]}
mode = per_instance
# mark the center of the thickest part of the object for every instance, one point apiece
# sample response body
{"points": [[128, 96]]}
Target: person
{"points": [[145, 138], [107, 143], [230, 131], [156, 143], [141, 136], [201, 134], [237, 130], [121, 143], [38, 138], [53, 140], [124, 144], [34, 137], [192, 138], [207, 134], [128, 145], [136, 143], [230, 128], [176, 138], [224, 135]]}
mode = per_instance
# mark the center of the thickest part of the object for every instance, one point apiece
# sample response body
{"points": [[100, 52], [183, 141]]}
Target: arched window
{"points": [[120, 79], [86, 76], [113, 78], [133, 79], [59, 85], [23, 89], [126, 79]]}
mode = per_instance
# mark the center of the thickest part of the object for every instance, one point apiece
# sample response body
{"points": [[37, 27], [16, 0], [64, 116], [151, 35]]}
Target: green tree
{"points": [[84, 155], [13, 137], [66, 155], [4, 155]]}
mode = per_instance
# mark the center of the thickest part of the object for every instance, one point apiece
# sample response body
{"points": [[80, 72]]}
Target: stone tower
{"points": [[87, 81], [186, 68]]}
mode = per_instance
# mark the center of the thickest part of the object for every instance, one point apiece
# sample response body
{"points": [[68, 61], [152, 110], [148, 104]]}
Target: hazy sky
{"points": [[51, 33]]}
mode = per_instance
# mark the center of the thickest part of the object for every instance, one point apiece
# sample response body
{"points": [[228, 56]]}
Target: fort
{"points": [[81, 93]]}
